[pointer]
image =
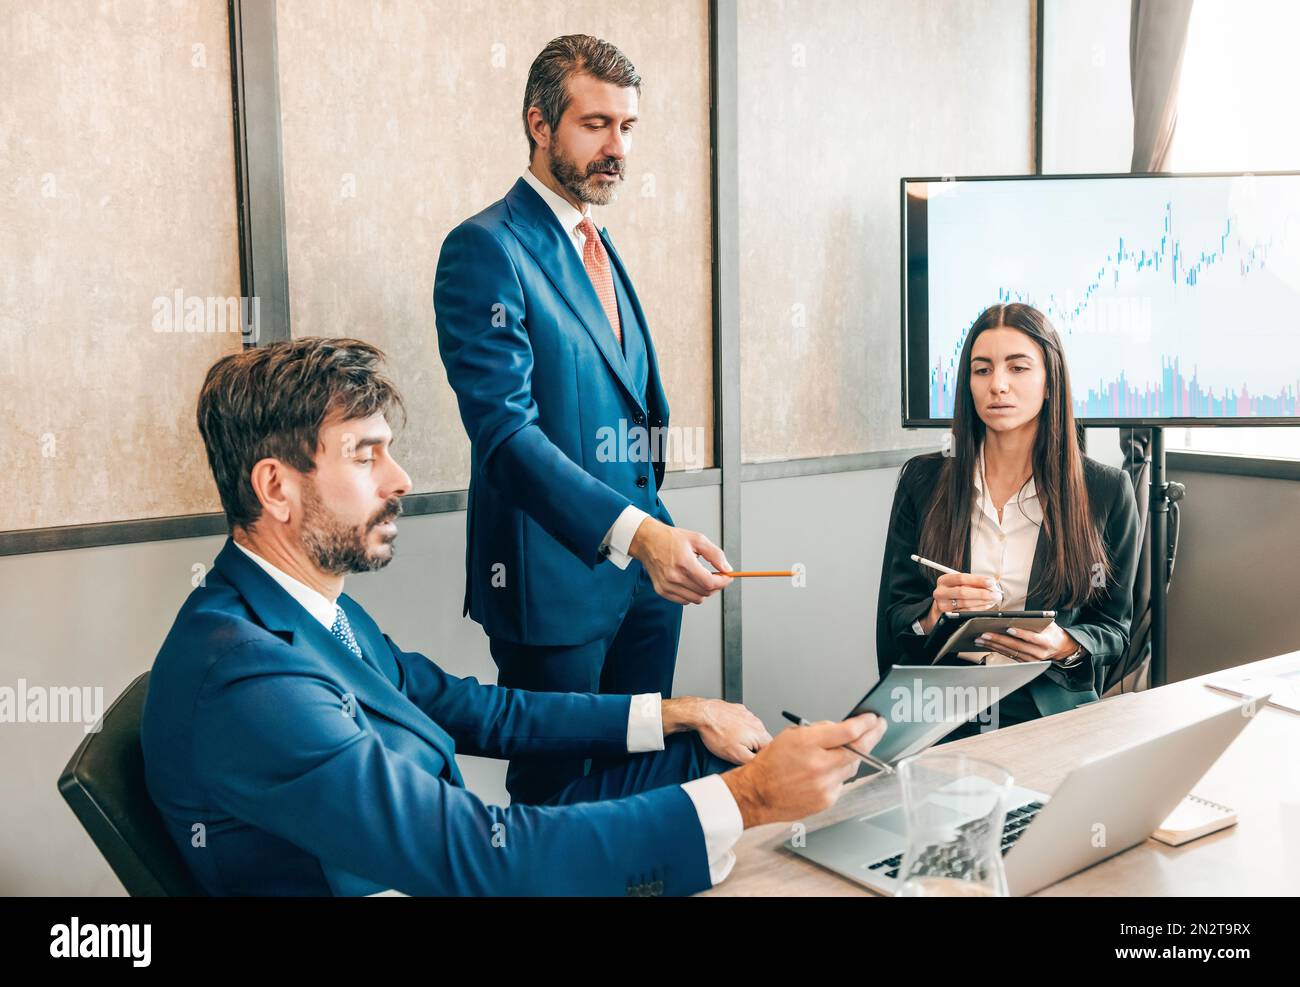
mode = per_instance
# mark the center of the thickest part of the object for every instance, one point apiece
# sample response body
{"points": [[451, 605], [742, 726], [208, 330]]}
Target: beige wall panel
{"points": [[838, 100], [117, 178], [403, 118]]}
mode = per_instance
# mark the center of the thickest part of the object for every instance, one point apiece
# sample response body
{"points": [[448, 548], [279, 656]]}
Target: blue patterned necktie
{"points": [[342, 631]]}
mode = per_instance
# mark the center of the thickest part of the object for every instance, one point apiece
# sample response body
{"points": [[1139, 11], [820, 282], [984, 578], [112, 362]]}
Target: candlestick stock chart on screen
{"points": [[1177, 298]]}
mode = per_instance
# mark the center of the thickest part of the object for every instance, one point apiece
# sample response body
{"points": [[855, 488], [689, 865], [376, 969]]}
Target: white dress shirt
{"points": [[717, 810], [1002, 549], [619, 537]]}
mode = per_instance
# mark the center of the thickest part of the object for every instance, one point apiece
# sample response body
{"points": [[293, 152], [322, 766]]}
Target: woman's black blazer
{"points": [[1101, 625]]}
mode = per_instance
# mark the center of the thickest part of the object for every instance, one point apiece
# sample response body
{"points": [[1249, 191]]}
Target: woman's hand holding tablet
{"points": [[1051, 643]]}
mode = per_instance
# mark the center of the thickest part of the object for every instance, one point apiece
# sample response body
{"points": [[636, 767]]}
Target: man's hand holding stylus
{"points": [[802, 771]]}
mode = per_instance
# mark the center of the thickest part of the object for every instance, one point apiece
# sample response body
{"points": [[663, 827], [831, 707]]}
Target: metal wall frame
{"points": [[259, 165], [724, 140]]}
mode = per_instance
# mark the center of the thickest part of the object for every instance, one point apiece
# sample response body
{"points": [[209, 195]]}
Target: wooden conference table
{"points": [[1258, 776]]}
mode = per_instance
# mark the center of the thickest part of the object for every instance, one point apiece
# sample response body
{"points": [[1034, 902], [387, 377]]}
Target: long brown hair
{"points": [[1070, 575]]}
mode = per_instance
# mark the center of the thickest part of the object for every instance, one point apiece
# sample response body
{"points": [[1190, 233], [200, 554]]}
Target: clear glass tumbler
{"points": [[955, 807]]}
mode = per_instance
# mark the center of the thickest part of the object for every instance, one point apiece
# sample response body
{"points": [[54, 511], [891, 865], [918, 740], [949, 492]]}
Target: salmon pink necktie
{"points": [[596, 261]]}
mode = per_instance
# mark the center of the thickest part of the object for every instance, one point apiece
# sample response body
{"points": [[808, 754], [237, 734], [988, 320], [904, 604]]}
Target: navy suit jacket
{"points": [[284, 764], [542, 387]]}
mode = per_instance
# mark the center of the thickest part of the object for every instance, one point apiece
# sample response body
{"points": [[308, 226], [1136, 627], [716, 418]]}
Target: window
{"points": [[1236, 112]]}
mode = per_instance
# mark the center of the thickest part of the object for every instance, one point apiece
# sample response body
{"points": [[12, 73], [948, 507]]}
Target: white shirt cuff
{"points": [[645, 723], [619, 537], [720, 819], [916, 626]]}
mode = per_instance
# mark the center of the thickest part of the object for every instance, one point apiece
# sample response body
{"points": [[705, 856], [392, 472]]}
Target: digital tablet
{"points": [[922, 704], [957, 631]]}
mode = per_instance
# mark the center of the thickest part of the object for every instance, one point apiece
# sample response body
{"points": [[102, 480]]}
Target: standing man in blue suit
{"points": [[293, 748], [573, 565]]}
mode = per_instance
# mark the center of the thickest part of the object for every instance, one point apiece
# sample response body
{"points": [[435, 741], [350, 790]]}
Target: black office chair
{"points": [[104, 785], [1127, 674]]}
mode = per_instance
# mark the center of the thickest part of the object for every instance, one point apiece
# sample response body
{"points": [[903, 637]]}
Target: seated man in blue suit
{"points": [[293, 748]]}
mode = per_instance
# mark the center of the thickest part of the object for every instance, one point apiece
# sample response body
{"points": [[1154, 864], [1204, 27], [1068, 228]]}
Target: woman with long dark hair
{"points": [[1029, 522]]}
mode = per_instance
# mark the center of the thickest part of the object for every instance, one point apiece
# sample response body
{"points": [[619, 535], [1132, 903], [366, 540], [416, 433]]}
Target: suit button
{"points": [[641, 481], [638, 419]]}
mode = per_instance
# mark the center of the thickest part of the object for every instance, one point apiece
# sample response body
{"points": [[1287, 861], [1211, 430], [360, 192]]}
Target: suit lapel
{"points": [[283, 615], [372, 642], [538, 230], [372, 688], [633, 301], [654, 394]]}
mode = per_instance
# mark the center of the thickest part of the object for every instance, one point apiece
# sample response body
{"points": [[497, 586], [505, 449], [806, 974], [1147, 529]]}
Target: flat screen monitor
{"points": [[1177, 297]]}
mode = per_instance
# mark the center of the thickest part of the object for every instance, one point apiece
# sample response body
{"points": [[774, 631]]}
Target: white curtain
{"points": [[1157, 40]]}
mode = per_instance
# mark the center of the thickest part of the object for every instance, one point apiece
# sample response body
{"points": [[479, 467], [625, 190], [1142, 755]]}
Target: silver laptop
{"points": [[1102, 808]]}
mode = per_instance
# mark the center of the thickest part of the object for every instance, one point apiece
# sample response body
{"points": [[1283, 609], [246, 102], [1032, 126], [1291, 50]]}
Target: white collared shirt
{"points": [[1005, 549], [319, 606], [568, 216], [717, 810]]}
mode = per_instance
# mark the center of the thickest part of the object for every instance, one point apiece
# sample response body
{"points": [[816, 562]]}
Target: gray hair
{"points": [[572, 54]]}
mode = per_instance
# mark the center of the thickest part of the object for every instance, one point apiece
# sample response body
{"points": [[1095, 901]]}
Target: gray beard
{"points": [[583, 187]]}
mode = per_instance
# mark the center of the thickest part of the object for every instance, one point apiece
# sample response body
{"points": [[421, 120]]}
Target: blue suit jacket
{"points": [[542, 385], [283, 764]]}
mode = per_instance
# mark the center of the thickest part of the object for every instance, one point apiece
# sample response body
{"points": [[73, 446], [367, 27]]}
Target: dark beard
{"points": [[338, 548], [582, 185]]}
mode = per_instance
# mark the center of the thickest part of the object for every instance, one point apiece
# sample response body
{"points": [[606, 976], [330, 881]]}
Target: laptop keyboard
{"points": [[1016, 821]]}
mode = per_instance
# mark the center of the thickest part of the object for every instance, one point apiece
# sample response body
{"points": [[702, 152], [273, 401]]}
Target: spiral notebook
{"points": [[1193, 818]]}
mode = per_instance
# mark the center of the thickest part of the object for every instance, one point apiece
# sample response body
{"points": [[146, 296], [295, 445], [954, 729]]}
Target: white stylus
{"points": [[944, 568], [935, 565]]}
